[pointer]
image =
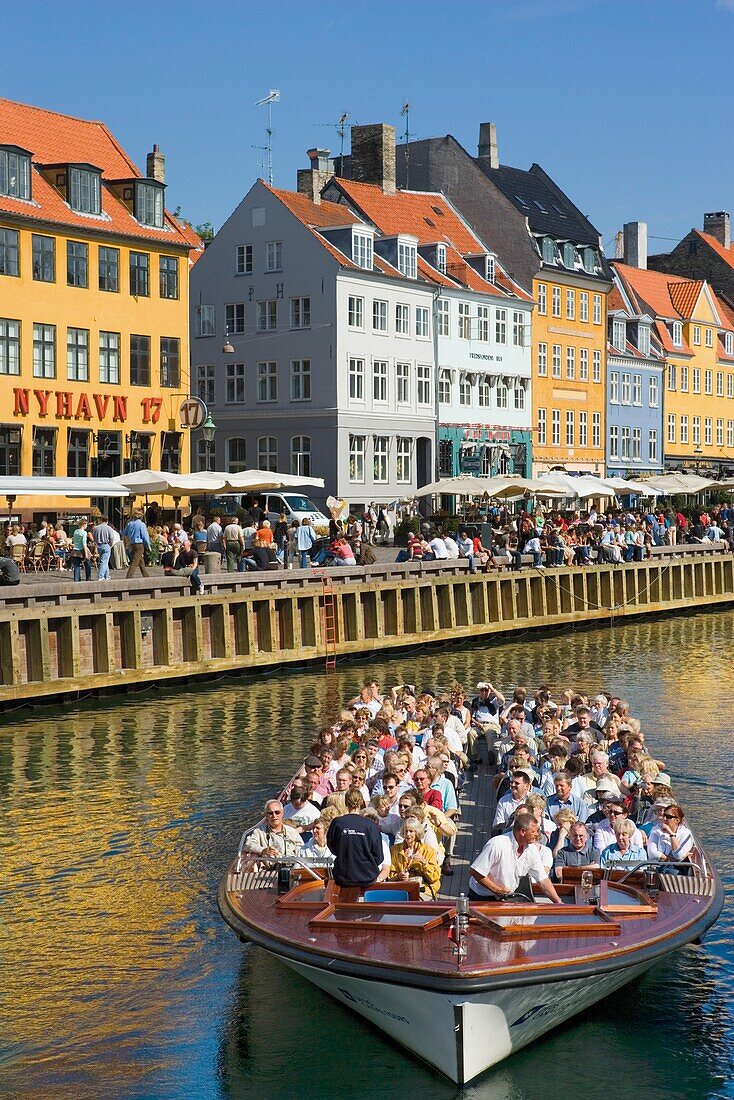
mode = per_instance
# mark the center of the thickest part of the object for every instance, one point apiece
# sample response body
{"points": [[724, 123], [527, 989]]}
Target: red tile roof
{"points": [[684, 296], [54, 138], [615, 301], [669, 296], [316, 214], [725, 253]]}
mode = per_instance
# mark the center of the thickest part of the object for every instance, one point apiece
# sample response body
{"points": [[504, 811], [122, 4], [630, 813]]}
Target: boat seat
{"points": [[687, 884], [386, 895]]}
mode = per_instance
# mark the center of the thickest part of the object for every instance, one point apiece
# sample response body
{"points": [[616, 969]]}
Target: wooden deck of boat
{"points": [[477, 803]]}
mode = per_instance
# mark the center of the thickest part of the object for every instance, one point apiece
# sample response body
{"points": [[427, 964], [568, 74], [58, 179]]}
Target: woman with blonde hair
{"points": [[413, 858]]}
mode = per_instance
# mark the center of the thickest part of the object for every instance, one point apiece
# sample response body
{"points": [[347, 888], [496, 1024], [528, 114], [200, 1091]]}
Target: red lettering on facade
{"points": [[42, 397], [151, 409], [83, 408], [21, 402], [101, 402], [119, 408], [63, 404]]}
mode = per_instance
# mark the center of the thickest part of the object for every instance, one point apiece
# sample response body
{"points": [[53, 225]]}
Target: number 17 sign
{"points": [[192, 412]]}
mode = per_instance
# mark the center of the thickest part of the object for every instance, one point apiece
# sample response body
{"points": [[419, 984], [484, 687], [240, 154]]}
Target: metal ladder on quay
{"points": [[328, 619]]}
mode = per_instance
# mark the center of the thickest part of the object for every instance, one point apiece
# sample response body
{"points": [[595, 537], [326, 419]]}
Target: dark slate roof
{"points": [[543, 203]]}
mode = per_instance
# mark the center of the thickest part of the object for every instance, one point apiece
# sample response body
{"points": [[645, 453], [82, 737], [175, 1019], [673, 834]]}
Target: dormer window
{"points": [[407, 259], [569, 255], [15, 172], [548, 250], [588, 256], [84, 190], [441, 258], [729, 343], [148, 207], [677, 334], [619, 335], [490, 269], [643, 339], [362, 250]]}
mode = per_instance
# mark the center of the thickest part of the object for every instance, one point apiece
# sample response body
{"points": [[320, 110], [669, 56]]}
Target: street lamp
{"points": [[227, 348], [208, 430], [697, 452]]}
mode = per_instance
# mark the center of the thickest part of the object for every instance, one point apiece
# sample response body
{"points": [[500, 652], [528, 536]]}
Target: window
{"points": [[584, 364], [273, 256], [407, 259], [443, 316], [379, 316], [730, 385], [424, 385], [636, 444], [267, 316], [267, 384], [619, 335], [9, 451], [44, 351], [205, 382], [43, 253], [614, 441], [708, 382], [402, 318], [171, 452], [168, 276], [584, 306], [356, 379], [730, 433], [44, 452], [77, 263], [542, 426], [597, 366], [556, 361], [519, 392], [542, 299], [569, 255], [500, 326], [671, 427], [652, 393], [235, 389], [548, 250], [77, 354], [556, 428], [614, 387], [267, 453], [170, 362], [300, 380], [205, 322], [403, 460], [556, 301], [542, 360], [483, 323], [77, 453], [139, 274], [485, 391], [380, 458], [708, 431], [441, 258], [362, 250], [9, 346], [15, 174], [643, 339], [696, 379], [444, 387], [84, 191], [502, 393], [236, 455], [596, 429], [719, 383], [464, 321], [709, 337], [149, 204], [637, 389], [677, 334], [518, 329], [300, 312], [626, 389], [570, 364], [588, 257], [597, 309], [301, 455], [719, 433], [626, 448], [570, 305], [402, 373], [356, 312], [421, 321], [356, 458], [234, 317], [465, 384], [109, 358], [379, 381], [684, 429], [569, 428], [583, 429], [672, 376], [109, 269], [696, 334], [244, 259], [729, 343], [696, 430], [491, 269]]}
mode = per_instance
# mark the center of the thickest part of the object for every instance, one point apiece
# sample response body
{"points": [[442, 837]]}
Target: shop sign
{"points": [[65, 405]]}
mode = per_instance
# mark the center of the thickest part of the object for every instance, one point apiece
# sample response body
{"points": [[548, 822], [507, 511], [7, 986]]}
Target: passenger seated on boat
{"points": [[564, 799], [623, 850], [315, 850], [504, 860], [413, 857], [521, 783], [356, 844], [274, 838], [409, 807], [573, 849], [429, 794], [670, 839], [299, 813], [537, 805], [632, 778], [603, 835]]}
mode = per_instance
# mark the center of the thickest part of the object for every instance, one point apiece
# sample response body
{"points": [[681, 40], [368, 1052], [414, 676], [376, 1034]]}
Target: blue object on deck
{"points": [[386, 895]]}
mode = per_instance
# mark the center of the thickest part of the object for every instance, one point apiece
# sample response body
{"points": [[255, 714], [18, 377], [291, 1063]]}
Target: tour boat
{"points": [[463, 984]]}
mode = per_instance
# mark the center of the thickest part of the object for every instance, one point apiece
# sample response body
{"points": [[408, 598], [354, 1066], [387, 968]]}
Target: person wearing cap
{"points": [[564, 799], [520, 786]]}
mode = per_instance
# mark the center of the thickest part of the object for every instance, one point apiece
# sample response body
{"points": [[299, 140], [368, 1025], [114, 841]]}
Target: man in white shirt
{"points": [[452, 546], [438, 548], [504, 860], [520, 786], [299, 812]]}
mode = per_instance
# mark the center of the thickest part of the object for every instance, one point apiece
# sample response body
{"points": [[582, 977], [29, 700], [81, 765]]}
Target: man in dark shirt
{"points": [[577, 853], [357, 846], [187, 563], [583, 723]]}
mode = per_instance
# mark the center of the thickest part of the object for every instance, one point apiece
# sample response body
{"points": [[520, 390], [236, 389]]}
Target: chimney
{"points": [[311, 180], [488, 149], [635, 244], [718, 225], [155, 165], [373, 156]]}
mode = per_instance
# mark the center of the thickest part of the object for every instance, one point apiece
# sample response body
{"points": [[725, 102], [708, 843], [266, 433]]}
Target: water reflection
{"points": [[117, 820]]}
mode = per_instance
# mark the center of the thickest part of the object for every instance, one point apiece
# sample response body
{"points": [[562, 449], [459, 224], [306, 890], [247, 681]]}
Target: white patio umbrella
{"points": [[80, 487], [462, 486], [254, 481], [155, 482], [583, 487], [684, 484]]}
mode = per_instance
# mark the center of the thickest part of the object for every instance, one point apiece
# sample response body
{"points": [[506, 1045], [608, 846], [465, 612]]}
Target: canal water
{"points": [[119, 979]]}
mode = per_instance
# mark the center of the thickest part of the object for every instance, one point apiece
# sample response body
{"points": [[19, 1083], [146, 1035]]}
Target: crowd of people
{"points": [[575, 785]]}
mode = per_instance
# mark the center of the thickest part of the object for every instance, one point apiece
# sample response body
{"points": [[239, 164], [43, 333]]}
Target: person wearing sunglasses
{"points": [[614, 810], [273, 838], [670, 839]]}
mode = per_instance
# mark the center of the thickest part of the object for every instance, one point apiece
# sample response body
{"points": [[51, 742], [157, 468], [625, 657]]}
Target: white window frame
{"points": [[300, 379], [267, 383], [570, 304], [542, 427], [555, 301], [684, 429], [614, 387], [542, 299], [556, 361], [403, 460], [362, 250], [570, 428], [273, 256], [443, 316], [244, 259], [300, 313], [518, 329], [402, 319], [584, 306], [583, 364], [235, 384], [379, 315], [583, 429], [596, 365], [356, 378], [542, 359], [357, 459], [407, 259], [379, 381], [671, 427], [355, 312], [423, 384], [626, 388], [267, 453], [267, 315], [556, 428], [637, 389], [206, 321], [636, 444], [301, 455], [613, 441], [596, 429], [402, 383], [464, 321], [483, 324], [422, 322], [381, 459], [570, 363], [653, 392], [677, 334], [597, 309]]}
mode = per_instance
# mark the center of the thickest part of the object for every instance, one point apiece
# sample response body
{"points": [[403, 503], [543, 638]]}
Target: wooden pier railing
{"points": [[61, 638]]}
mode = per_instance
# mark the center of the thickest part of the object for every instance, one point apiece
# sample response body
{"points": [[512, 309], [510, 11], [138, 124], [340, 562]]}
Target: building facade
{"points": [[94, 303]]}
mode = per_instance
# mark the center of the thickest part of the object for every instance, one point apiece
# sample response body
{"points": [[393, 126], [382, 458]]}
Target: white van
{"points": [[295, 506]]}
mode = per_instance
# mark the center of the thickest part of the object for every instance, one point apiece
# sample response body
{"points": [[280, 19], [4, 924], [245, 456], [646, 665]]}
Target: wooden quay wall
{"points": [[62, 638]]}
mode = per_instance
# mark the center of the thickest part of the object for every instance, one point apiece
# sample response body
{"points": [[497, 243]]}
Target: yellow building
{"points": [[695, 330], [94, 353]]}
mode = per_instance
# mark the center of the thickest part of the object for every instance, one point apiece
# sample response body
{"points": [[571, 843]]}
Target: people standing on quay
{"points": [[80, 552], [138, 541], [105, 537], [234, 544], [305, 540]]}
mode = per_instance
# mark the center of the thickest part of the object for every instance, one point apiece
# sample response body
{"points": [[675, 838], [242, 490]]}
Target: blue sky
{"points": [[626, 103]]}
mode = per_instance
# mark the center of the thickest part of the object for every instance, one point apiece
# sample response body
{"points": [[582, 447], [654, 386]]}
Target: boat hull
{"points": [[462, 1035]]}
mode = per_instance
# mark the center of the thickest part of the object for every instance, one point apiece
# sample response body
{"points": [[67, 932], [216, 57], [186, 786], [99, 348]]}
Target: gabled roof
{"points": [[684, 296], [315, 216], [726, 254], [547, 208], [54, 138], [672, 297]]}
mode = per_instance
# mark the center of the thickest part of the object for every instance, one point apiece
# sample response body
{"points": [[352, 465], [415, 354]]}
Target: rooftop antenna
{"points": [[405, 113], [341, 129], [272, 97]]}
